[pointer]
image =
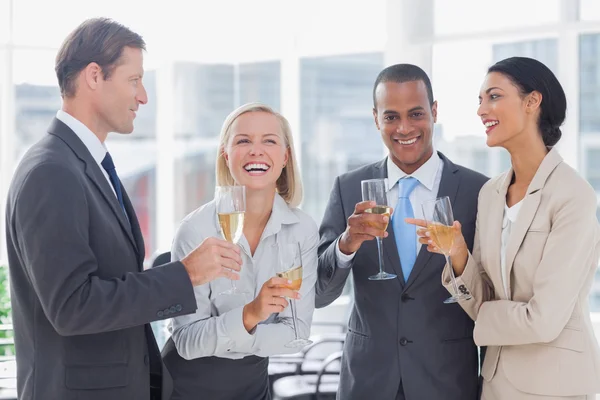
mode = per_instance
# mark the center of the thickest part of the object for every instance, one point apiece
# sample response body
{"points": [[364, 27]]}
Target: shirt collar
{"points": [[425, 174], [89, 139]]}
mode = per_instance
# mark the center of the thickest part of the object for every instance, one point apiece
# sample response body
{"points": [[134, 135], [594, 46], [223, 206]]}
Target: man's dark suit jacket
{"points": [[402, 341], [81, 301]]}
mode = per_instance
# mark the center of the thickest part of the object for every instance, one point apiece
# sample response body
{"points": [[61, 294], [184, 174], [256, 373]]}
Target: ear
{"points": [[375, 118], [93, 75], [534, 101], [286, 156], [225, 156], [434, 111]]}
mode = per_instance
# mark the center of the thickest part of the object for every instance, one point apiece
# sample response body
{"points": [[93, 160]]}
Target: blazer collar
{"points": [[549, 163], [528, 210], [92, 170]]}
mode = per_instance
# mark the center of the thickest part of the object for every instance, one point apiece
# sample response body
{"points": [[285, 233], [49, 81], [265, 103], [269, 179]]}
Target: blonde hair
{"points": [[289, 183]]}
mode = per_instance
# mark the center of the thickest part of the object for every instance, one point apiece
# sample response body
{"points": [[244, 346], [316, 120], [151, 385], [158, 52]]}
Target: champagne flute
{"points": [[439, 218], [290, 265], [231, 206], [376, 190]]}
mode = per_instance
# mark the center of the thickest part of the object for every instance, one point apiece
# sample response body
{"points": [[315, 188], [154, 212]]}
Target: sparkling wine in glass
{"points": [[290, 264], [439, 218], [231, 206], [376, 190]]}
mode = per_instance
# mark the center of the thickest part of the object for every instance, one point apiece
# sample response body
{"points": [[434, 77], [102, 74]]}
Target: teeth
{"points": [[491, 123], [411, 141], [262, 167]]}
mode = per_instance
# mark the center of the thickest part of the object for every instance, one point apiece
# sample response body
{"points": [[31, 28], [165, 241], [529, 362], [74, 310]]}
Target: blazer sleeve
{"points": [[331, 278], [474, 280], [53, 233], [569, 259]]}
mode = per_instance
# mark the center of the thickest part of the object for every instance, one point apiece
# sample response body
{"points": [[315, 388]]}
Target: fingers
{"points": [[363, 206], [417, 222], [278, 302], [369, 231], [284, 292], [227, 273], [373, 225], [229, 264], [277, 287], [277, 281], [213, 241], [423, 233]]}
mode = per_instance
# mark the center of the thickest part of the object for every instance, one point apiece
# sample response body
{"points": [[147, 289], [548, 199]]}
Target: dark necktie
{"points": [[110, 169]]}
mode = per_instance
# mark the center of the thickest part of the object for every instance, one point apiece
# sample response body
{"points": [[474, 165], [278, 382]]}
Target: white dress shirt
{"points": [[89, 139], [429, 176], [510, 216], [217, 328]]}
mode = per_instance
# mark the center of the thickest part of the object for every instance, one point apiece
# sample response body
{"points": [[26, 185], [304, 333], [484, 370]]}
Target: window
{"points": [[544, 50], [592, 168], [336, 121], [589, 83]]}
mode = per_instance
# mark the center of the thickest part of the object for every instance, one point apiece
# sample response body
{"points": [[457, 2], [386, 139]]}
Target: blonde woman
{"points": [[221, 351]]}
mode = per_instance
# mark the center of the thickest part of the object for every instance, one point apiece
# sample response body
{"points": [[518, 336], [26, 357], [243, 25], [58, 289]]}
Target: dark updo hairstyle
{"points": [[531, 75]]}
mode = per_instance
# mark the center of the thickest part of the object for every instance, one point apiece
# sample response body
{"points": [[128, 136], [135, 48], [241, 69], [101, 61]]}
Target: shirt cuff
{"points": [[343, 260], [233, 321]]}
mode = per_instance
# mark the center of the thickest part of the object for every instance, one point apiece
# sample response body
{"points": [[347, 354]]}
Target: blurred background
{"points": [[315, 61]]}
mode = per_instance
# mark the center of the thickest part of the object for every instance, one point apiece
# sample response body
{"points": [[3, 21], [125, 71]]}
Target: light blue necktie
{"points": [[406, 234]]}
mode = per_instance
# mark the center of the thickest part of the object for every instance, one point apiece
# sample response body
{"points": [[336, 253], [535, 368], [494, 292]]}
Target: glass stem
{"points": [[380, 254], [454, 284], [293, 307]]}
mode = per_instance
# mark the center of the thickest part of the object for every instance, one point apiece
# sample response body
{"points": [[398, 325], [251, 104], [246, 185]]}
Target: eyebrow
{"points": [[418, 108], [246, 135], [489, 90], [492, 88]]}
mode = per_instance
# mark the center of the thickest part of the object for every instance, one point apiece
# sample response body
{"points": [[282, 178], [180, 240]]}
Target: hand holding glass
{"points": [[376, 190], [231, 206], [439, 218]]}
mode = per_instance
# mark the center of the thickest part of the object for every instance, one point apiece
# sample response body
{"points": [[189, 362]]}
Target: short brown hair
{"points": [[99, 40]]}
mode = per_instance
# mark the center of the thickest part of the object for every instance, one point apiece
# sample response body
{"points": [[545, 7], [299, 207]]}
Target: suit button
{"points": [[463, 289], [173, 310], [405, 298], [166, 311], [160, 314], [403, 341], [146, 360], [178, 307]]}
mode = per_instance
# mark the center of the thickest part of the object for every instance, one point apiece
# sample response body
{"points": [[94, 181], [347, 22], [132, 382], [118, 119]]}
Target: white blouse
{"points": [[510, 216], [216, 328]]}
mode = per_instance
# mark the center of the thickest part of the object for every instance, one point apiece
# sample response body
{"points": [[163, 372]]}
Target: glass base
{"points": [[298, 343], [456, 298], [382, 276], [233, 292]]}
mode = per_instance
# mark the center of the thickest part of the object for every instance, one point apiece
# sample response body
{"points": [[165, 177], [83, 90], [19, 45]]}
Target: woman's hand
{"points": [[270, 300], [459, 252]]}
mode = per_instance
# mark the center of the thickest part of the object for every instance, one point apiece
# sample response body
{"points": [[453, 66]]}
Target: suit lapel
{"points": [[491, 245], [449, 184], [135, 227], [531, 202], [92, 170]]}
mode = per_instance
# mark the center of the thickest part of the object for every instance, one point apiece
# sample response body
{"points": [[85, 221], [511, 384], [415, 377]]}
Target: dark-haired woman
{"points": [[536, 247]]}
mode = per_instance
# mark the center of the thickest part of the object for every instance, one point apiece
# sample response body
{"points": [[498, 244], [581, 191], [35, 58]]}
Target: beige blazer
{"points": [[543, 331]]}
